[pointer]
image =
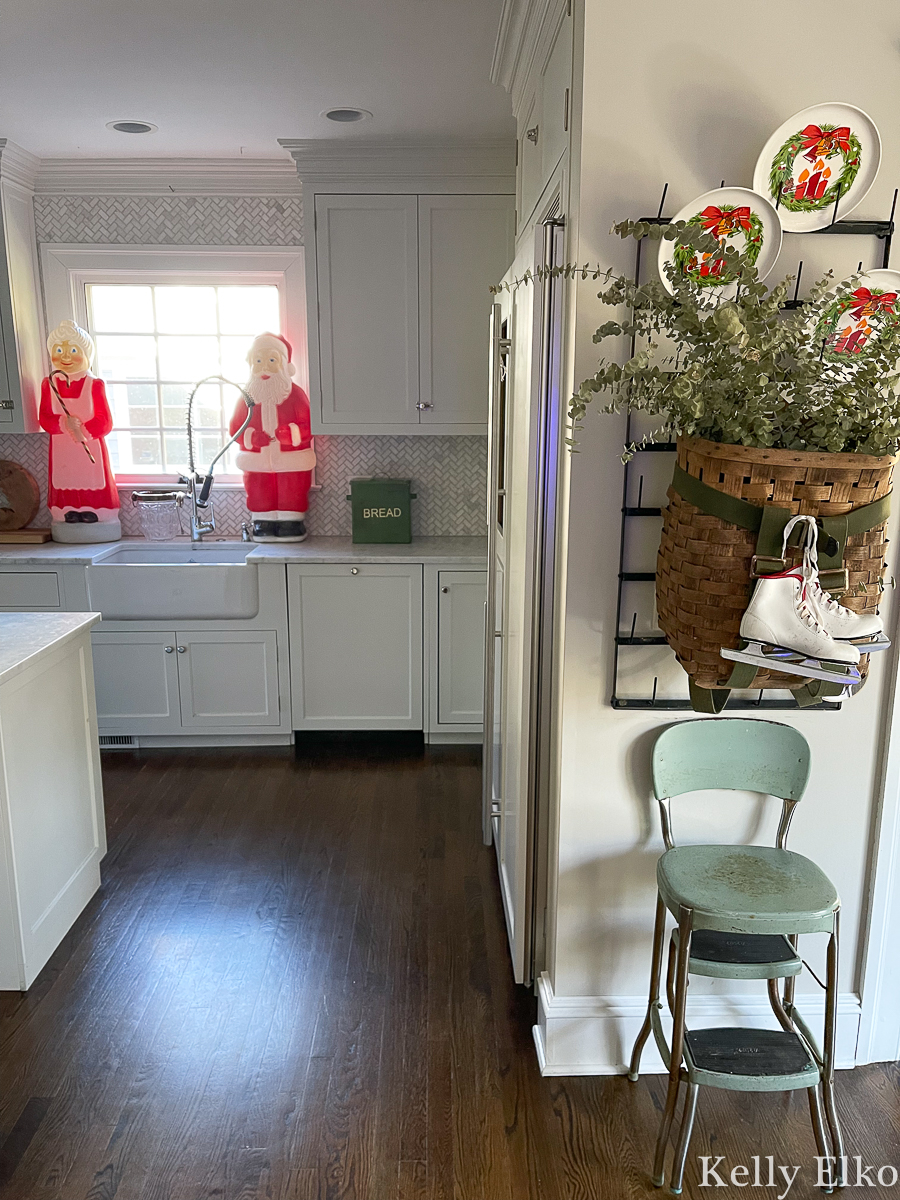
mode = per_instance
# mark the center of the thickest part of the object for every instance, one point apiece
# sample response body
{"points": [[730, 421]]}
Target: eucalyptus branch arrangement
{"points": [[741, 370]]}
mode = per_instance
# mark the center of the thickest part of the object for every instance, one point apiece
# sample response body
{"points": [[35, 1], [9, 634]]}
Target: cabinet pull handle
{"points": [[445, 590], [169, 649], [354, 570], [181, 649]]}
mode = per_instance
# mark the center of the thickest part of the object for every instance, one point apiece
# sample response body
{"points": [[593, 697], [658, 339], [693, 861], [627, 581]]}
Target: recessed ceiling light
{"points": [[131, 126], [346, 116]]}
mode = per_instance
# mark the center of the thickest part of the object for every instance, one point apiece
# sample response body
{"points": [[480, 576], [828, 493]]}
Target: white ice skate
{"points": [[785, 631], [864, 630]]}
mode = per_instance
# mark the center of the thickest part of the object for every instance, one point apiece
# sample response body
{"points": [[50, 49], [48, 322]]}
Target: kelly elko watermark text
{"points": [[764, 1172]]}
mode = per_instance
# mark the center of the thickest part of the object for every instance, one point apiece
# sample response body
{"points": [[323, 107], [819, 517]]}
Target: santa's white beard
{"points": [[268, 394]]}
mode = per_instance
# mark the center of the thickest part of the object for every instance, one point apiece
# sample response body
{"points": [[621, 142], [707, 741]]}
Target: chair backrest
{"points": [[731, 754]]}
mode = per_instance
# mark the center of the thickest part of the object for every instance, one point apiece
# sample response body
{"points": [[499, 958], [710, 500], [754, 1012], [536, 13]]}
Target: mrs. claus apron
{"points": [[75, 481]]}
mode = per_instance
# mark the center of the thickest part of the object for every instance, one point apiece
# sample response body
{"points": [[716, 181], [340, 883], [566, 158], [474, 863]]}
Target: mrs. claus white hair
{"points": [[68, 331]]}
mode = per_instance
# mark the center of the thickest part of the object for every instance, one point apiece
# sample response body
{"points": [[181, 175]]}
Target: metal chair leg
{"points": [[818, 1124], [659, 930], [777, 1007], [670, 975], [828, 1044], [684, 1137], [685, 921], [790, 982]]}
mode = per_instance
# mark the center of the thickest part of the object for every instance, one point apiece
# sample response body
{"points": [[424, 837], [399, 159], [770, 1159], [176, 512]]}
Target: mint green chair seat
{"points": [[747, 889], [740, 910]]}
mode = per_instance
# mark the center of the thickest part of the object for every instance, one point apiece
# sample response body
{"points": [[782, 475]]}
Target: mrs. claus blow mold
{"points": [[82, 495], [276, 454]]}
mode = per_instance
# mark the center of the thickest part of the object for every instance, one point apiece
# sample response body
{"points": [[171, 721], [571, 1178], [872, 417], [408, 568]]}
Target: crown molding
{"points": [[17, 164], [527, 28], [370, 160], [158, 176]]}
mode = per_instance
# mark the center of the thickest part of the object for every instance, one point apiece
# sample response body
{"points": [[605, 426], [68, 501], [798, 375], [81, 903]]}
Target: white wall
{"points": [[658, 106]]}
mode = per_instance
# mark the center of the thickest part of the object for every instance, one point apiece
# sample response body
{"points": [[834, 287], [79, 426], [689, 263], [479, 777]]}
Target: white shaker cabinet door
{"points": [[465, 246], [136, 681], [228, 678], [356, 646], [461, 596], [367, 295]]}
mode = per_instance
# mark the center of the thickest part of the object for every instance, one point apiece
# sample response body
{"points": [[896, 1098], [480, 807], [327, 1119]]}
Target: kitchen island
{"points": [[52, 826]]}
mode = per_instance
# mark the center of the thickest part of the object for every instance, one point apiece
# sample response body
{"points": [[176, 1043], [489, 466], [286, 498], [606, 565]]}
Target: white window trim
{"points": [[66, 269]]}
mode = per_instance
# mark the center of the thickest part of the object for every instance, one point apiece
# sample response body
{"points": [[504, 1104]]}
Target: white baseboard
{"points": [[593, 1035], [455, 738]]}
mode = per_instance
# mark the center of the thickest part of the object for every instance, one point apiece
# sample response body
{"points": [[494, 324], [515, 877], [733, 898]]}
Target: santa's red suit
{"points": [[277, 466], [76, 482]]}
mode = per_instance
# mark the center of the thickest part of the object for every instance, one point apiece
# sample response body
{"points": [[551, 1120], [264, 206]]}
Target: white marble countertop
{"points": [[466, 551], [24, 637]]}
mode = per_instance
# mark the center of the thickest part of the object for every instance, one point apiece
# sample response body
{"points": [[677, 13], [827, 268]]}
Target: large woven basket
{"points": [[703, 582]]}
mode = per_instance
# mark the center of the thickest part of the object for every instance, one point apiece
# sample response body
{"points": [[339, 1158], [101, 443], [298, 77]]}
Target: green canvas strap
{"points": [[752, 516], [768, 523]]}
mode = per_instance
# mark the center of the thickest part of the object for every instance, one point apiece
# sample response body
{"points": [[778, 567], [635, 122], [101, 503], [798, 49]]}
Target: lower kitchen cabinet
{"points": [[136, 681], [356, 646], [157, 683], [457, 650]]}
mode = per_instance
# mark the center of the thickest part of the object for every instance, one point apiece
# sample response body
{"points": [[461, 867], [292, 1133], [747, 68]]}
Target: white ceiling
{"points": [[223, 78]]}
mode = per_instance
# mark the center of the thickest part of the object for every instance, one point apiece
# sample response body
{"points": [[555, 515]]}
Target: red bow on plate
{"points": [[721, 224], [870, 303], [817, 143]]}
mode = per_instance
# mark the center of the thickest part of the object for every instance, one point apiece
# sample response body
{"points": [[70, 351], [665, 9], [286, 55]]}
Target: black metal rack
{"points": [[884, 231]]}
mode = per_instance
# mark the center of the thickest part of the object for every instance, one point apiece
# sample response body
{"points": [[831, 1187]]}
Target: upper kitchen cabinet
{"points": [[367, 306], [533, 61], [465, 245], [403, 242], [402, 304], [21, 330]]}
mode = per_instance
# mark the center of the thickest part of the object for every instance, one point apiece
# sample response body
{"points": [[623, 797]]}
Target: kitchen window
{"points": [[154, 342], [163, 318]]}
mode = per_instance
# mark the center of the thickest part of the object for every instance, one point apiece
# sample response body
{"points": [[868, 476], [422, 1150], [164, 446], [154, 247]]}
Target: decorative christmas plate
{"points": [[852, 321], [737, 217], [828, 153]]}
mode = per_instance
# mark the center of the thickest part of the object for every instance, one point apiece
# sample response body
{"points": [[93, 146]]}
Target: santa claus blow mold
{"points": [[82, 495], [276, 454]]}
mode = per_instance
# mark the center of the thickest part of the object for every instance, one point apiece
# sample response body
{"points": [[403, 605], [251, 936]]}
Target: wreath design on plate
{"points": [[815, 186], [723, 223], [867, 311]]}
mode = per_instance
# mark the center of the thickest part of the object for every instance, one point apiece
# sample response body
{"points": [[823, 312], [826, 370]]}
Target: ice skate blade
{"points": [[790, 662], [869, 645]]}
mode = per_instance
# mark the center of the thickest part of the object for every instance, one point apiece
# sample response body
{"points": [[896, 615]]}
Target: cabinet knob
{"points": [[169, 649], [532, 134], [354, 570], [181, 649], [424, 404], [445, 590]]}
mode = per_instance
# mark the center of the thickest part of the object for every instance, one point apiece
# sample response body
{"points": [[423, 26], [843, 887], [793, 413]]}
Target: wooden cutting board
{"points": [[20, 496]]}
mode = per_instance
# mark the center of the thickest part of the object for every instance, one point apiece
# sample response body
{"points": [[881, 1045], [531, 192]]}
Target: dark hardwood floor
{"points": [[294, 985]]}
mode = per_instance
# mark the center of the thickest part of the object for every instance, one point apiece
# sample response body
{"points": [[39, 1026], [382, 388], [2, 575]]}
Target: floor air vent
{"points": [[116, 741]]}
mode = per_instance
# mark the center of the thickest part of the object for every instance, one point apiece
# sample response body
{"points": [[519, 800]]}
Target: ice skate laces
{"points": [[811, 593], [810, 565]]}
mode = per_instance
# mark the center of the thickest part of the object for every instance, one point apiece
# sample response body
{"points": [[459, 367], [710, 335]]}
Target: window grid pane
{"points": [[148, 405]]}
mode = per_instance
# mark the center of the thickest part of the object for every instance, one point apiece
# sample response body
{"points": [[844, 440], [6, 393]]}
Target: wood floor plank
{"points": [[294, 985]]}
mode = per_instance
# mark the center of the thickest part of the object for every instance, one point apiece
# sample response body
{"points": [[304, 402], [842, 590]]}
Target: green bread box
{"points": [[382, 510]]}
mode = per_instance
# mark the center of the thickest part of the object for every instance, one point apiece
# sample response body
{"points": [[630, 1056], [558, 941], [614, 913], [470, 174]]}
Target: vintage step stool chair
{"points": [[739, 911]]}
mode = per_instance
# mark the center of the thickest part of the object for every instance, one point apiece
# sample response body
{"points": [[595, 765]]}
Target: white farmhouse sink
{"points": [[174, 582]]}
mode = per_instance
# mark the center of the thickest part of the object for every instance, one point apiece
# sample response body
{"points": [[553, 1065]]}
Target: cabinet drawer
{"points": [[29, 589]]}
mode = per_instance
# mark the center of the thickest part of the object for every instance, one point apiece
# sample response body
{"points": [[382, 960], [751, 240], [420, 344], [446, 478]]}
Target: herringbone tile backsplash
{"points": [[170, 220], [448, 473]]}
